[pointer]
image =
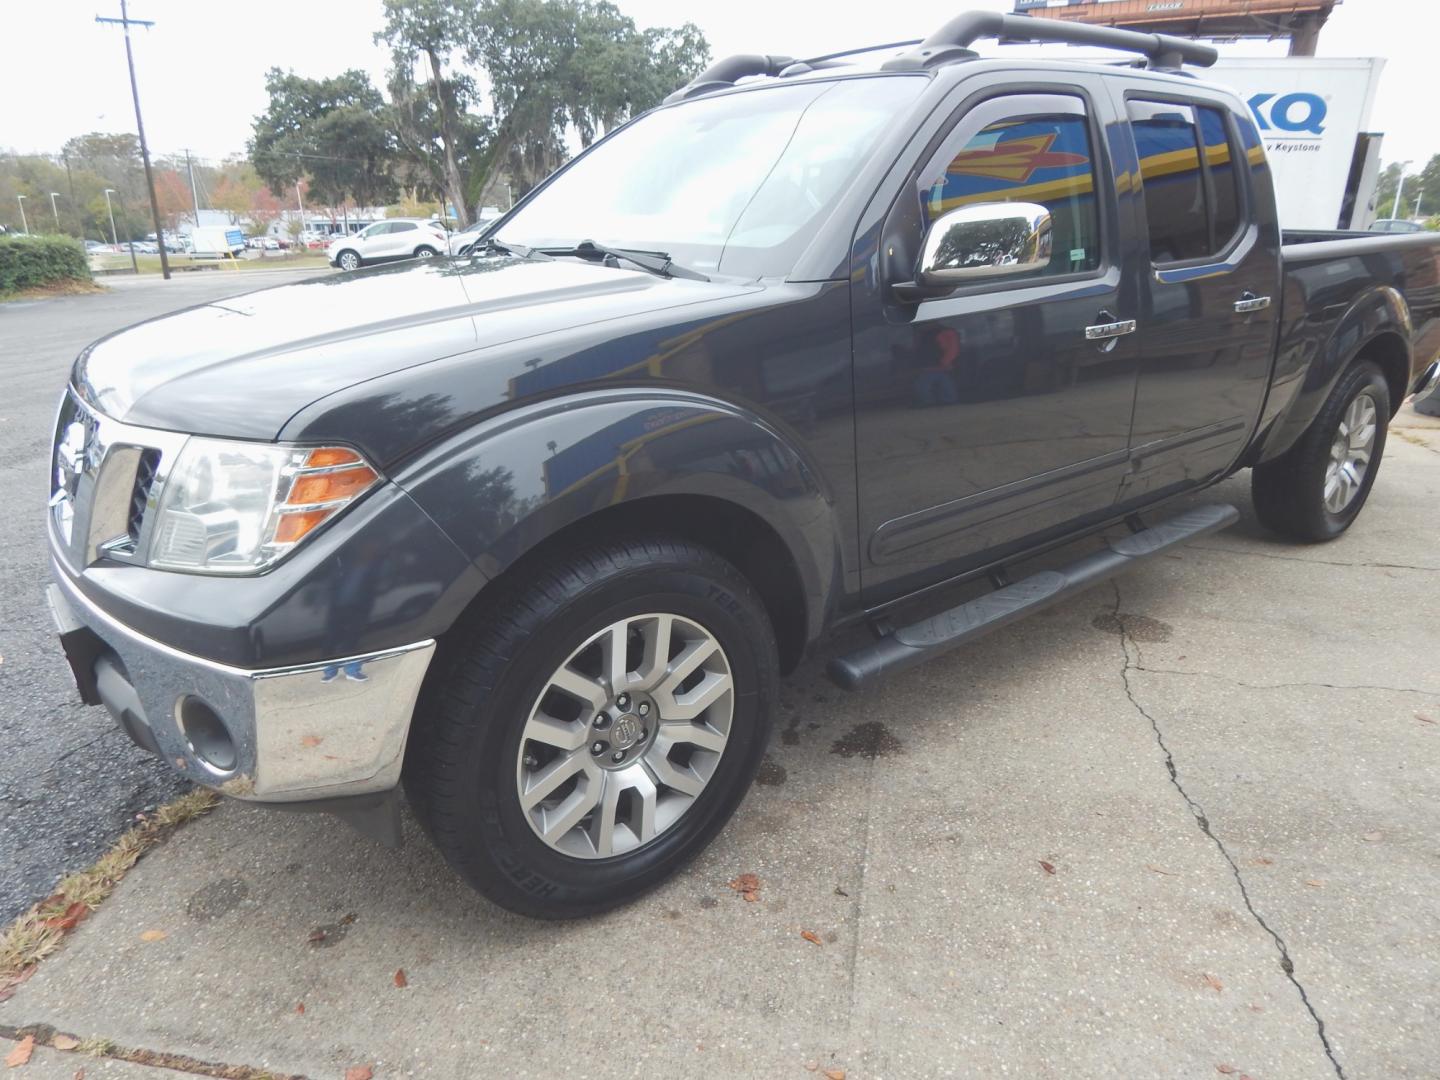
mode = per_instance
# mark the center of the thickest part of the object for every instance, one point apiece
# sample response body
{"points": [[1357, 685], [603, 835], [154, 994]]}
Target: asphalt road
{"points": [[70, 782]]}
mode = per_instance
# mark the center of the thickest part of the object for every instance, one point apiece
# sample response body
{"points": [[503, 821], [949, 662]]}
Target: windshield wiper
{"points": [[520, 251], [658, 263]]}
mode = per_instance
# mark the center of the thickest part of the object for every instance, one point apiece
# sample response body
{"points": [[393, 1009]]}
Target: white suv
{"points": [[394, 238]]}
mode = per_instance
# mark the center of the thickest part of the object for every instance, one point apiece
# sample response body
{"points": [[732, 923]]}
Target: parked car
{"points": [[462, 241], [533, 535], [384, 241], [1396, 225]]}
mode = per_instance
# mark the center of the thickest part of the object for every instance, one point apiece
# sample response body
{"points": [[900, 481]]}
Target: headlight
{"points": [[235, 508]]}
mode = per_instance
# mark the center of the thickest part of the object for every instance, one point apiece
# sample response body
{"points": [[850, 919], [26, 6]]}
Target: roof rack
{"points": [[951, 41]]}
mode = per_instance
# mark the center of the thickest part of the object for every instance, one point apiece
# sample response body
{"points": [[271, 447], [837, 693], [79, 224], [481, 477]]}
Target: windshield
{"points": [[735, 184]]}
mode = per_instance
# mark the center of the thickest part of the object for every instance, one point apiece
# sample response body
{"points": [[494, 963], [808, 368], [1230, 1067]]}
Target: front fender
{"points": [[1320, 349], [511, 482]]}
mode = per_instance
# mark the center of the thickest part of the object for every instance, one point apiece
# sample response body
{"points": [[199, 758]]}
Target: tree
{"points": [[428, 30], [330, 130], [1422, 188]]}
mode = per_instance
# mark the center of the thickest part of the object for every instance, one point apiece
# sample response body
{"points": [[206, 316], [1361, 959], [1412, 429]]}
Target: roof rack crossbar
{"points": [[952, 41]]}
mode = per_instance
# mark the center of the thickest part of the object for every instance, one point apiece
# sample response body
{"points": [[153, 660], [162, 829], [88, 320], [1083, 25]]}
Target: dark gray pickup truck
{"points": [[531, 534]]}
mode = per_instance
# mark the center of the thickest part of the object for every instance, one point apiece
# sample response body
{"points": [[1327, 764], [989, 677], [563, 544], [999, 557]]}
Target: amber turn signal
{"points": [[330, 486]]}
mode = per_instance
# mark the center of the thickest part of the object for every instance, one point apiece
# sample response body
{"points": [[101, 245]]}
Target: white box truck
{"points": [[216, 242]]}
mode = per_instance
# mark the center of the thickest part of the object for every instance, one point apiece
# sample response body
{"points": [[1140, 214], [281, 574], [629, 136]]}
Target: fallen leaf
{"points": [[750, 897], [400, 980], [359, 1072], [1157, 870], [347, 920], [1314, 884], [748, 886], [79, 1074], [1212, 982], [1225, 1069], [153, 935], [64, 1042], [810, 936], [1423, 718], [1261, 860], [316, 936], [300, 1009], [1255, 1008], [835, 1074], [812, 1066], [838, 892], [311, 740], [68, 919], [21, 1054], [1372, 837], [1047, 867]]}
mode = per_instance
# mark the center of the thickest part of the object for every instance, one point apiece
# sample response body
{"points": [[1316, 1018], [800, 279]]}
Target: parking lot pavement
{"points": [[1185, 824], [70, 782]]}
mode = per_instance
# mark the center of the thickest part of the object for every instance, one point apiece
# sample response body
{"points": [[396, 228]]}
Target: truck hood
{"points": [[242, 366]]}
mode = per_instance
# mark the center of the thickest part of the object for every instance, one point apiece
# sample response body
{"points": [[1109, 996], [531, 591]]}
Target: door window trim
{"points": [[1102, 169], [1246, 226]]}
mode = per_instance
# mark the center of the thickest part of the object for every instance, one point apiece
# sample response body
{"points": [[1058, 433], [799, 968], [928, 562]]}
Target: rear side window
{"points": [[1191, 186], [1023, 148]]}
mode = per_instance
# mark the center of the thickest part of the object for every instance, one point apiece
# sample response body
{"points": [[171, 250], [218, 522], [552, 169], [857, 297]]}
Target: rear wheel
{"points": [[1317, 488], [424, 252], [596, 728]]}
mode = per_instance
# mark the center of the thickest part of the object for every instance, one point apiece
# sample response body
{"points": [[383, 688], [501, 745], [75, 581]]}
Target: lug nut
{"points": [[623, 700], [597, 747], [530, 761], [644, 708], [602, 721], [618, 756]]}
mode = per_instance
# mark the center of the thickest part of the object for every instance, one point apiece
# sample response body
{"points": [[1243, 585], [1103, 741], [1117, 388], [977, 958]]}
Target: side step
{"points": [[918, 642]]}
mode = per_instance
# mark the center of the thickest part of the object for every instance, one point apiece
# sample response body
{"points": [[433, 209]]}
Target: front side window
{"points": [[736, 183], [1032, 148]]}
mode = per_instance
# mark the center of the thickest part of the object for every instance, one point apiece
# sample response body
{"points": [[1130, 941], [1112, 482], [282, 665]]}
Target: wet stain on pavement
{"points": [[1139, 628], [708, 902], [209, 902], [869, 740], [771, 772]]}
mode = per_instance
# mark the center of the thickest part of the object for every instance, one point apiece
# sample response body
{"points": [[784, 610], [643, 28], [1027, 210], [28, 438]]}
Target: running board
{"points": [[918, 642]]}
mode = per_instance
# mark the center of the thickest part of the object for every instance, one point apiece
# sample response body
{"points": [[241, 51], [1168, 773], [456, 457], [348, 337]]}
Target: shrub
{"points": [[27, 261]]}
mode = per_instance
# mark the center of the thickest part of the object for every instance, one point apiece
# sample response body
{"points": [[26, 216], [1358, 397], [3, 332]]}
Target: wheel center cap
{"points": [[626, 731]]}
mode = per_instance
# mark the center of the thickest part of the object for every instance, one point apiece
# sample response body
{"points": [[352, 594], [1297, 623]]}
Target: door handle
{"points": [[1107, 330], [1250, 302]]}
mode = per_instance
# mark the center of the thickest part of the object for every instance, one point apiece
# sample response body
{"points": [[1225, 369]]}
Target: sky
{"points": [[201, 69]]}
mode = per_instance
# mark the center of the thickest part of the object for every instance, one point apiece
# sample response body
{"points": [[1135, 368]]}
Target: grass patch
{"points": [[67, 287], [41, 930], [45, 1035]]}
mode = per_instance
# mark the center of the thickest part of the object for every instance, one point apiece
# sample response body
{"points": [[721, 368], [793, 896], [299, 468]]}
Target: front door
{"points": [[1208, 313], [985, 418]]}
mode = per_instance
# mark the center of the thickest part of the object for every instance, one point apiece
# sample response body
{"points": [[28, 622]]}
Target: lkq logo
{"points": [[1290, 123]]}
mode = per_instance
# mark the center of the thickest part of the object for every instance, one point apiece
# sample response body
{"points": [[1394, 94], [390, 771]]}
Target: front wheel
{"points": [[1316, 489], [348, 260], [596, 728]]}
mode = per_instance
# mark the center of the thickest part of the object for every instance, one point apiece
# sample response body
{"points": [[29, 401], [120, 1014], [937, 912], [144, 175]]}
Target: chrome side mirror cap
{"points": [[977, 243]]}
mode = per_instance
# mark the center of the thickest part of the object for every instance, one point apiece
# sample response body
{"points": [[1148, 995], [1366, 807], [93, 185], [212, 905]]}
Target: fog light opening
{"points": [[207, 735]]}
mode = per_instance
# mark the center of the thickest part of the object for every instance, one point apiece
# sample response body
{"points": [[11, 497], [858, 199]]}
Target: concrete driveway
{"points": [[1187, 825]]}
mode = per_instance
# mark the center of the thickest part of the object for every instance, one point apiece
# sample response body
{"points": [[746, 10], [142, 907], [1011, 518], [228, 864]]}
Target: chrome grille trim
{"points": [[97, 465]]}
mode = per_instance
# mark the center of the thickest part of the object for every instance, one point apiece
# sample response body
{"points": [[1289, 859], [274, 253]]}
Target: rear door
{"points": [[988, 418], [1208, 310]]}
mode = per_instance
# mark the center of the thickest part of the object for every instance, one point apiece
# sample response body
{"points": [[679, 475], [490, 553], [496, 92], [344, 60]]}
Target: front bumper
{"points": [[324, 730]]}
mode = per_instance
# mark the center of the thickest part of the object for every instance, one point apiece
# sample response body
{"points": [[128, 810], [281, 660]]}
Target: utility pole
{"points": [[23, 223], [54, 210], [125, 22], [194, 198], [301, 204]]}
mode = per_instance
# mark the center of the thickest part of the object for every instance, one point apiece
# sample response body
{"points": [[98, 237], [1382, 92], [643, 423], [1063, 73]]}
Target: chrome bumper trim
{"points": [[312, 731]]}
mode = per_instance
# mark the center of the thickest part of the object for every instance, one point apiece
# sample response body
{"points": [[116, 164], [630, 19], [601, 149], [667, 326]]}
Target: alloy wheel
{"points": [[1350, 453], [625, 735]]}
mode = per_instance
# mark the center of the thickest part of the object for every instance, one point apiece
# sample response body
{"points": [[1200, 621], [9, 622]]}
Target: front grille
{"points": [[140, 495]]}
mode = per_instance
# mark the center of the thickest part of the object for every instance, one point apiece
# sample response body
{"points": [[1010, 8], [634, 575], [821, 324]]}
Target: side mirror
{"points": [[977, 243]]}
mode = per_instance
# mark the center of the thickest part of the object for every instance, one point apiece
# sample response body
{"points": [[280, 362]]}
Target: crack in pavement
{"points": [[1286, 964], [1139, 666], [1313, 562]]}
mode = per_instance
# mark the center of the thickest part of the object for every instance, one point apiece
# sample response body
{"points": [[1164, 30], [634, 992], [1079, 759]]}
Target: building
{"points": [[1298, 20]]}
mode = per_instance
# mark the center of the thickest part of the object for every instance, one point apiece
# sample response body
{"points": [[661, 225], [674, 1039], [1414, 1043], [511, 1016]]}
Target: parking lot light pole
{"points": [[114, 237], [23, 223], [55, 210]]}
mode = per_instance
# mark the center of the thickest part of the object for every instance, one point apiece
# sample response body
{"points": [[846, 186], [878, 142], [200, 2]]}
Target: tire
{"points": [[424, 252], [1299, 495], [470, 755], [348, 260]]}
